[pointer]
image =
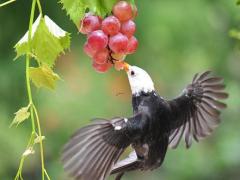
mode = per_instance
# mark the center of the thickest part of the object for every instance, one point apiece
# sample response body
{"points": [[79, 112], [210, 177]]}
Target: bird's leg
{"points": [[141, 150], [119, 176]]}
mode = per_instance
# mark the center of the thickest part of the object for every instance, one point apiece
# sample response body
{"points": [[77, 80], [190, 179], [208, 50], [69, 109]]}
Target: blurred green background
{"points": [[177, 39]]}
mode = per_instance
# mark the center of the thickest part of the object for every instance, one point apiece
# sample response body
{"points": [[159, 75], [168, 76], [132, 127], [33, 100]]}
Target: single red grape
{"points": [[119, 65], [128, 28], [123, 11], [132, 45], [101, 68], [90, 23], [97, 40], [88, 50], [101, 56], [111, 25], [118, 43], [119, 57]]}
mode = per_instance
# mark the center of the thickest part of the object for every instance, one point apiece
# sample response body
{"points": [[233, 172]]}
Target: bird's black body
{"points": [[156, 124], [155, 129]]}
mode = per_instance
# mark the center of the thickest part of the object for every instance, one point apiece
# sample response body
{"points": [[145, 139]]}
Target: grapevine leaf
{"points": [[47, 42], [43, 76], [21, 115], [77, 8]]}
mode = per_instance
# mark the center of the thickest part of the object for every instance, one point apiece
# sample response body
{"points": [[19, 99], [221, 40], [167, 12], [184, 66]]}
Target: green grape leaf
{"points": [[43, 76], [77, 8], [47, 42], [21, 115]]}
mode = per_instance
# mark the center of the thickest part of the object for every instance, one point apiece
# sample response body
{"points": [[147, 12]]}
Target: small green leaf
{"points": [[238, 2], [47, 42], [77, 8], [43, 77], [21, 115]]}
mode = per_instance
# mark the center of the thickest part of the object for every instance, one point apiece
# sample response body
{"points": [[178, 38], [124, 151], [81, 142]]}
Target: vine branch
{"points": [[7, 2], [33, 110]]}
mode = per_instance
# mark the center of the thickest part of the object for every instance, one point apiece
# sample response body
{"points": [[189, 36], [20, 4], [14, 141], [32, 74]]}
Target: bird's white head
{"points": [[139, 80]]}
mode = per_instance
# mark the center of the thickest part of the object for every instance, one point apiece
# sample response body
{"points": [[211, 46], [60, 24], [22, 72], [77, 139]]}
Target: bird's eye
{"points": [[132, 73]]}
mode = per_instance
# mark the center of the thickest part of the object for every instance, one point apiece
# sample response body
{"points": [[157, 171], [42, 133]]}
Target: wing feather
{"points": [[93, 150], [196, 113]]}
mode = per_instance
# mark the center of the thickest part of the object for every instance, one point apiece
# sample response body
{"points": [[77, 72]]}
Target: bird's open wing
{"points": [[196, 112], [93, 150]]}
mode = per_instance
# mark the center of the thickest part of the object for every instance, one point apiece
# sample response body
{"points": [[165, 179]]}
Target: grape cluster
{"points": [[109, 40]]}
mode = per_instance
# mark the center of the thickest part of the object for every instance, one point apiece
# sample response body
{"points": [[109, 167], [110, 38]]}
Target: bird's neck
{"points": [[140, 98]]}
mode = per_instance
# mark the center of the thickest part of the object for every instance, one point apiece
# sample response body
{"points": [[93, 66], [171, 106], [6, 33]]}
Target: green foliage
{"points": [[43, 77], [235, 34], [21, 115], [77, 8], [44, 41], [47, 42]]}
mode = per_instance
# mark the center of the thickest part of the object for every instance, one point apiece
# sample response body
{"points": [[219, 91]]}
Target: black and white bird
{"points": [[93, 152]]}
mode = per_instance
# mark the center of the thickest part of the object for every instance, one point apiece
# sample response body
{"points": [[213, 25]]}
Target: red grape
{"points": [[88, 50], [119, 65], [118, 43], [132, 45], [101, 57], [128, 28], [111, 39], [97, 40], [101, 68], [120, 57], [111, 25], [90, 23], [123, 11]]}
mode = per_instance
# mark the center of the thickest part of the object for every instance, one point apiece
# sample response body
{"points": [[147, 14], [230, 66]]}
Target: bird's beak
{"points": [[126, 66]]}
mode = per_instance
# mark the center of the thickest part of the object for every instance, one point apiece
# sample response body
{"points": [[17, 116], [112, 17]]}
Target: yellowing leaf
{"points": [[21, 115], [48, 41], [43, 77], [28, 152], [38, 139]]}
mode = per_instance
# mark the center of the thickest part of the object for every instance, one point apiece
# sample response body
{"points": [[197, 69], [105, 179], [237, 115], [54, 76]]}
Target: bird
{"points": [[157, 124]]}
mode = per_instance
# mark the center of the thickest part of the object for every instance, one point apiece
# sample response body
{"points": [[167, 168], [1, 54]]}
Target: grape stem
{"points": [[7, 2], [111, 59]]}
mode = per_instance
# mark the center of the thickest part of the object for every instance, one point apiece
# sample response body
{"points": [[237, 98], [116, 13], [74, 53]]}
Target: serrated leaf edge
{"points": [[17, 122]]}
